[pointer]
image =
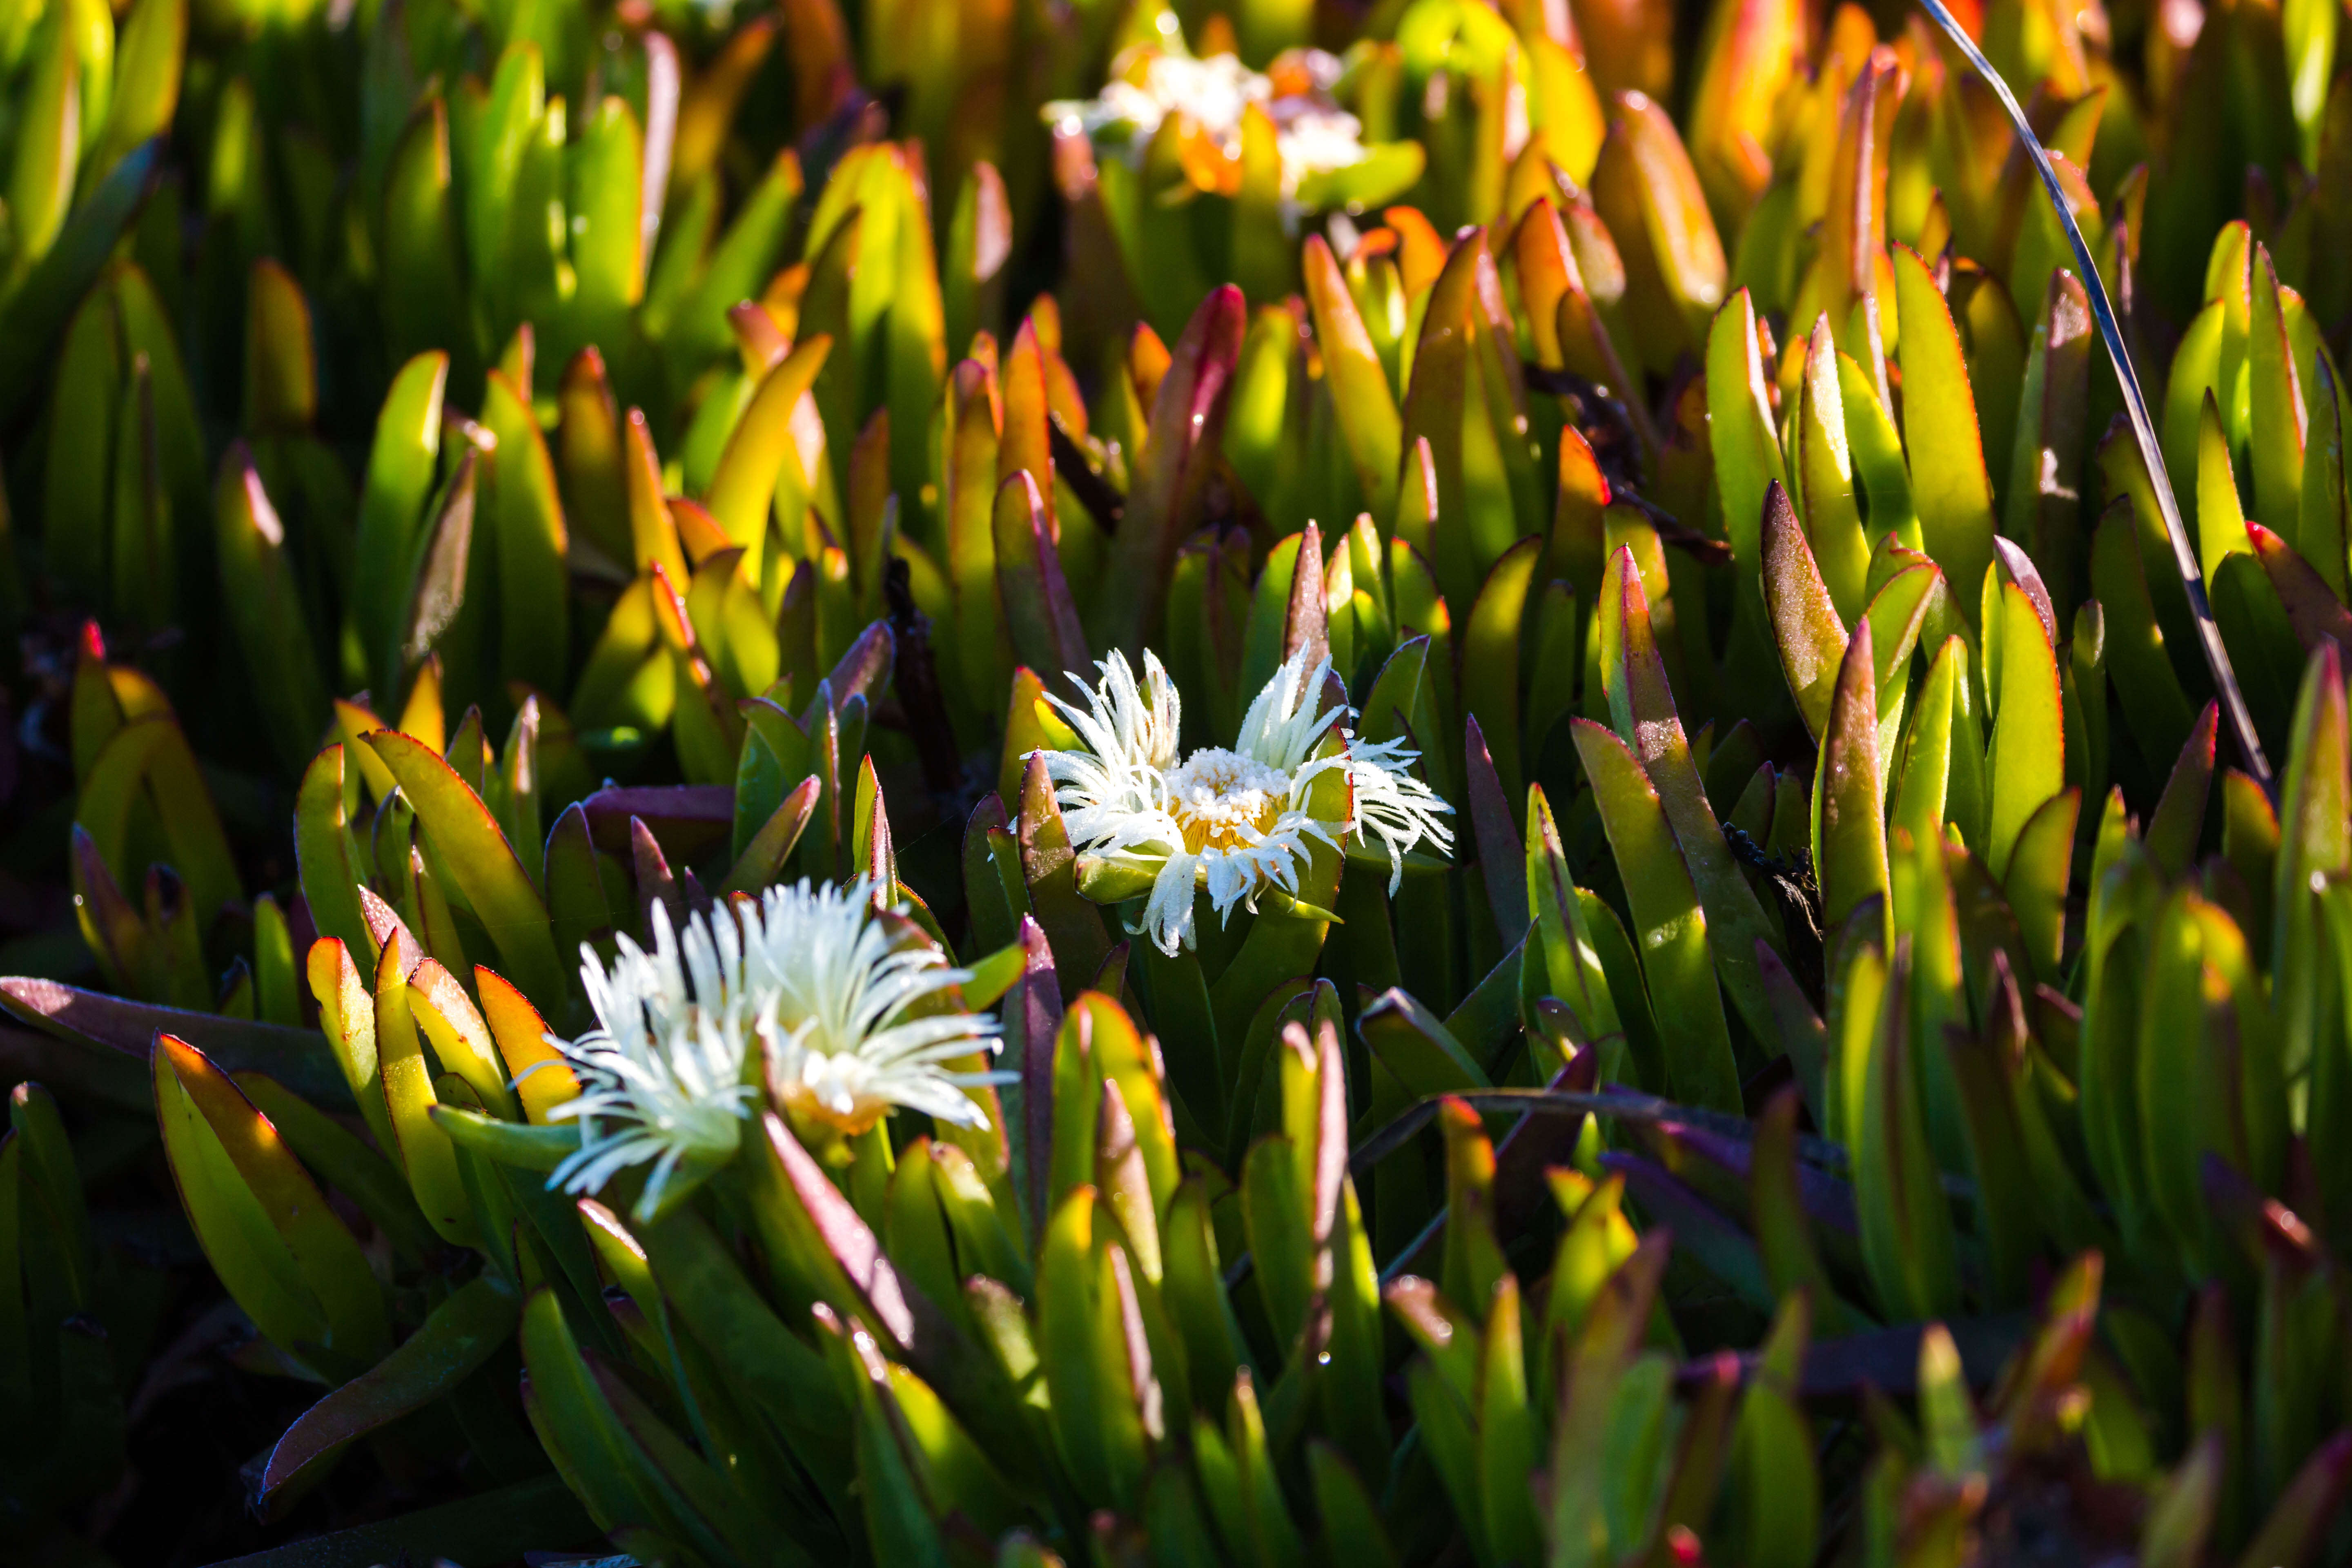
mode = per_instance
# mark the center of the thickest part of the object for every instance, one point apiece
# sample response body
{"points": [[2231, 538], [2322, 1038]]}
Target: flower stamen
{"points": [[849, 1010], [1234, 822], [1222, 800]]}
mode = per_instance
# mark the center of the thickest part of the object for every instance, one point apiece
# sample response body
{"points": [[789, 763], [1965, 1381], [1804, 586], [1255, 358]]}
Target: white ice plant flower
{"points": [[849, 1019], [1313, 136], [1233, 820]]}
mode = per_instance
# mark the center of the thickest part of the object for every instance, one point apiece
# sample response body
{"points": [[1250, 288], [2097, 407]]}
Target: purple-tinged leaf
{"points": [[1502, 862], [1718, 1244], [1307, 621], [2312, 607], [1887, 1360], [1849, 838], [462, 1334], [1805, 625], [1041, 620], [656, 883], [2017, 566], [1187, 417], [2179, 822], [89, 1019], [1031, 1014], [2300, 1521], [685, 819], [1073, 926]]}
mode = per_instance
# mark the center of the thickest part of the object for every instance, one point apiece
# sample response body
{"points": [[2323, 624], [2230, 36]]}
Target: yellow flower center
{"points": [[810, 1107], [1223, 800]]}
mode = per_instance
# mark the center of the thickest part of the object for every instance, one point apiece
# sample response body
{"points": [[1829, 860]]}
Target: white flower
{"points": [[1313, 135], [1231, 820], [855, 1019], [850, 1019]]}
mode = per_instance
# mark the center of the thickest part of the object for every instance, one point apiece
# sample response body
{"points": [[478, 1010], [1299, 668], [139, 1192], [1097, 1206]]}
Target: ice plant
{"points": [[1234, 820], [859, 1018], [663, 1073], [843, 1013], [1212, 98], [1733, 533]]}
